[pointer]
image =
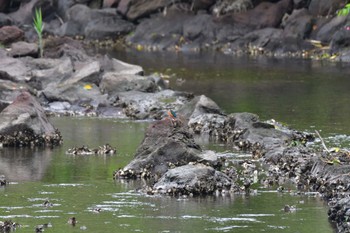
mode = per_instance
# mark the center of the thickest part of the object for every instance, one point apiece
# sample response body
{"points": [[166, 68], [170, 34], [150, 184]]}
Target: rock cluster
{"points": [[277, 28]]}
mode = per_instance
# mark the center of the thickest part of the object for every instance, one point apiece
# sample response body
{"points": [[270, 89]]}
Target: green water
{"points": [[77, 185]]}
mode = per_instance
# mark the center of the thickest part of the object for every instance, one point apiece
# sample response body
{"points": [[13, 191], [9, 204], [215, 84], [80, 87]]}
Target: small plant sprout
{"points": [[39, 27], [344, 11]]}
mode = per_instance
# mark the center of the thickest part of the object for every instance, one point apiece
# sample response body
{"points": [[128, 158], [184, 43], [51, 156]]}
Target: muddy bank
{"points": [[287, 28]]}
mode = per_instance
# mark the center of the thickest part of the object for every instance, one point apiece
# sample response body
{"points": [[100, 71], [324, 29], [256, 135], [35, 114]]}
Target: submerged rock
{"points": [[24, 123]]}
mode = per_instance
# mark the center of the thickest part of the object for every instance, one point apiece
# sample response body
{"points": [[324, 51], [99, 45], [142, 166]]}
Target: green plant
{"points": [[39, 27], [344, 11]]}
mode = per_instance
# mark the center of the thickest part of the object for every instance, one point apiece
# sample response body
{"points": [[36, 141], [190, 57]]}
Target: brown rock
{"points": [[266, 14], [21, 49], [110, 3], [10, 34]]}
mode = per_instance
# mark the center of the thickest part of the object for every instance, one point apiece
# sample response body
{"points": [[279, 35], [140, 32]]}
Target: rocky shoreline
{"points": [[281, 28], [68, 81]]}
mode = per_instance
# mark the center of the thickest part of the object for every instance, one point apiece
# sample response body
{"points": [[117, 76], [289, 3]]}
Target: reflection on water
{"points": [[24, 164], [82, 187]]}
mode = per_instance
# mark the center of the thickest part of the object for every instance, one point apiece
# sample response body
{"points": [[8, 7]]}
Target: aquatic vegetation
{"points": [[344, 11], [39, 27]]}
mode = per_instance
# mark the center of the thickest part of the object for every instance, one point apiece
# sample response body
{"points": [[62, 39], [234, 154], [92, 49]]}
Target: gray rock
{"points": [[165, 145], [24, 123], [5, 20], [113, 83], [49, 71], [14, 68], [21, 49], [195, 179]]}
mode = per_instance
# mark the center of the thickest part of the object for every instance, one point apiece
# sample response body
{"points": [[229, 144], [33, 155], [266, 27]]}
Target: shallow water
{"points": [[78, 185], [303, 94]]}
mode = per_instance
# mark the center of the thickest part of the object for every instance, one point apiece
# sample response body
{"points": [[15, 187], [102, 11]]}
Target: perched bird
{"points": [[172, 114]]}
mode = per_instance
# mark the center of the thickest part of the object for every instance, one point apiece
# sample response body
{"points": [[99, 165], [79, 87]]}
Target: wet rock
{"points": [[328, 29], [22, 49], [10, 34], [23, 123], [166, 31], [197, 179], [142, 105], [143, 8], [340, 40], [165, 145]]}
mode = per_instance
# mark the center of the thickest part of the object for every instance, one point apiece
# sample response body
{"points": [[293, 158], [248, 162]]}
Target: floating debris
{"points": [[2, 180], [84, 150]]}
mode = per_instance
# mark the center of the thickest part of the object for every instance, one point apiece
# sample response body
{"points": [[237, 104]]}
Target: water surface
{"points": [[78, 185]]}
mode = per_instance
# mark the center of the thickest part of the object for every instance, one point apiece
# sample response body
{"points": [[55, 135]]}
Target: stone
{"points": [[5, 20], [10, 34], [24, 123], [197, 179], [298, 24], [22, 49], [110, 3], [264, 15], [113, 82], [325, 7], [165, 145], [144, 8]]}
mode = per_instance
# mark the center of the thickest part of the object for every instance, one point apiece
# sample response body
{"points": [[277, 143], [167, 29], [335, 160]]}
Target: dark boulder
{"points": [[5, 20], [95, 23], [10, 34], [143, 8], [340, 40], [24, 123], [160, 32], [326, 30], [167, 144], [325, 7], [298, 24], [266, 14]]}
